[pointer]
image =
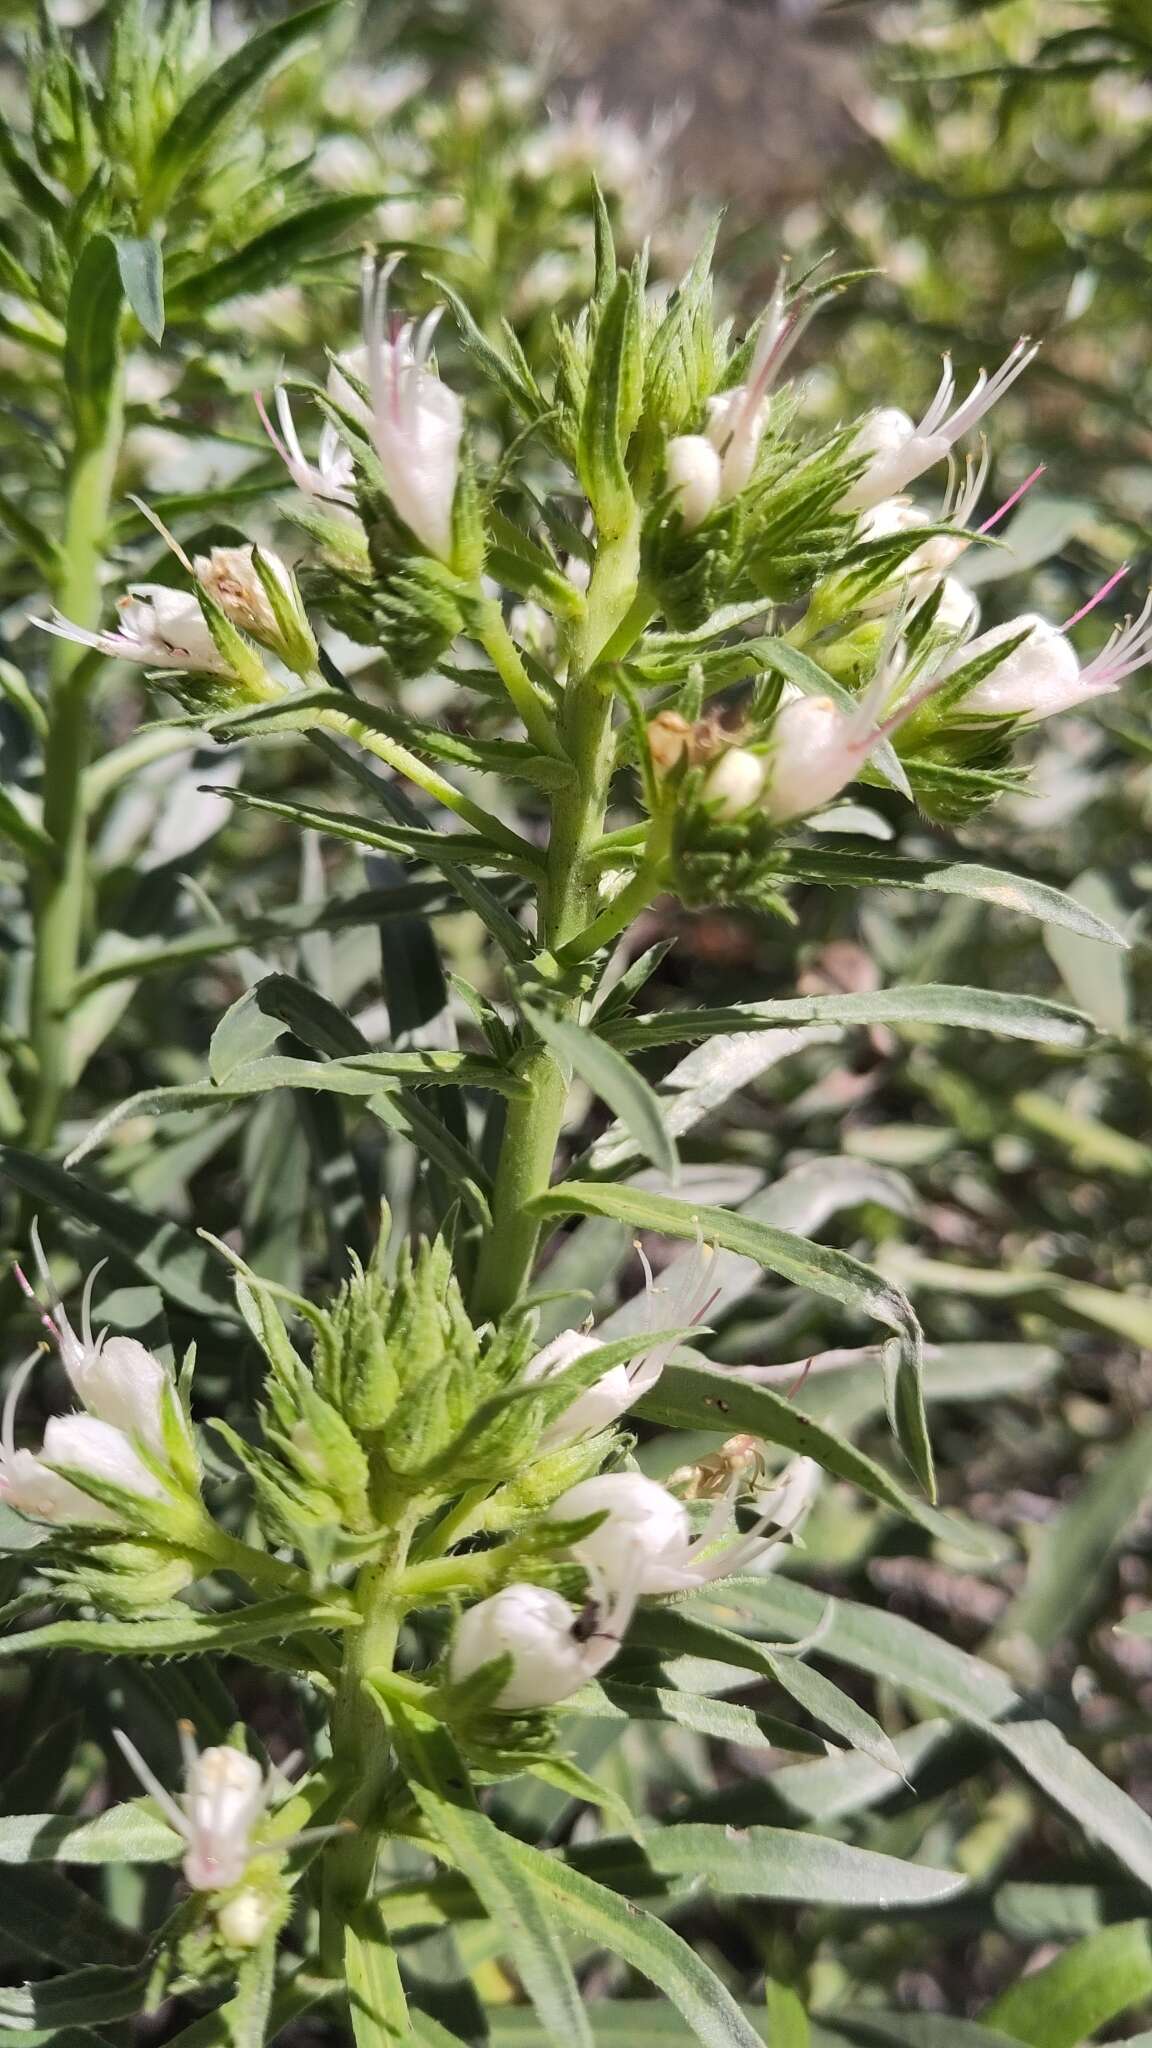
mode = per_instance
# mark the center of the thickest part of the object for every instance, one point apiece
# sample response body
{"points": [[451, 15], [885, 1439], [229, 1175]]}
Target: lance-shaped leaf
{"points": [[973, 1009], [566, 1896], [944, 877], [615, 1081], [124, 1834], [782, 1863]]}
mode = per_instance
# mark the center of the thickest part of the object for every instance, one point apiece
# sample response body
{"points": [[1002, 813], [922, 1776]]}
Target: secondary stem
{"points": [[568, 903], [60, 896]]}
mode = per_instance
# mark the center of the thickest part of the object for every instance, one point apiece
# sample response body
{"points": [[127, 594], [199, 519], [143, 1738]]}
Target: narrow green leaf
{"points": [[124, 1834], [615, 1081], [272, 255], [722, 1720], [89, 1998], [175, 1261], [515, 1902], [194, 127], [944, 877], [140, 259], [92, 336], [179, 1635], [1093, 1982], [782, 1863], [974, 1009]]}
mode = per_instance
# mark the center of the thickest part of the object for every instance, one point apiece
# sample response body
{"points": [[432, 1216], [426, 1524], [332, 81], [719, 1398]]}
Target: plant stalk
{"points": [[567, 905], [62, 890]]}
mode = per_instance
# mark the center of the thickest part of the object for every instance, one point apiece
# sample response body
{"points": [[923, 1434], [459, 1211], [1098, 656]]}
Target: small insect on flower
{"points": [[218, 1815], [682, 1306], [555, 1648], [645, 1541], [159, 628], [900, 449]]}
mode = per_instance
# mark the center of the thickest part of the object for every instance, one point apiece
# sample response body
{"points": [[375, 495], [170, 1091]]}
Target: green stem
{"points": [[360, 1737], [504, 655], [568, 903], [61, 892], [403, 762]]}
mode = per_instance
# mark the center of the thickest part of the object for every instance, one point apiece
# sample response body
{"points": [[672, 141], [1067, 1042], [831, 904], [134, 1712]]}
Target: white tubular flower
{"points": [[159, 628], [735, 782], [225, 1798], [599, 1406], [416, 422], [99, 1451], [225, 1795], [737, 418], [818, 748], [901, 450], [555, 1648], [646, 1543], [958, 612], [118, 1379], [1043, 674], [693, 471], [332, 477], [31, 1483]]}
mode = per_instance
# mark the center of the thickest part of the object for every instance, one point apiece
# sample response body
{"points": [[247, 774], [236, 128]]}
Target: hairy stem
{"points": [[567, 906], [61, 892]]}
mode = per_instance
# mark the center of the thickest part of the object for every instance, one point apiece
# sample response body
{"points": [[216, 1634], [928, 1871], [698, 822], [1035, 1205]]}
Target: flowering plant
{"points": [[677, 630]]}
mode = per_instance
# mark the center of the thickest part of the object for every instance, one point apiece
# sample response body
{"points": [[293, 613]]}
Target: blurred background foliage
{"points": [[994, 164]]}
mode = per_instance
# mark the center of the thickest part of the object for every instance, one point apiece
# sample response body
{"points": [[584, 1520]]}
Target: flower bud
{"points": [[553, 1650], [692, 471], [644, 1538], [735, 783], [120, 1382], [243, 1921], [669, 741], [813, 757]]}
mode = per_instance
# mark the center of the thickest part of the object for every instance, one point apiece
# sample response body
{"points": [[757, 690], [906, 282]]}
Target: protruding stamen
{"points": [[1098, 597], [1003, 510]]}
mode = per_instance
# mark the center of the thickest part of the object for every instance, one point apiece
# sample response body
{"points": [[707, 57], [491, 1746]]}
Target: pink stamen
{"points": [[30, 1294], [1017, 494], [1101, 594], [269, 429]]}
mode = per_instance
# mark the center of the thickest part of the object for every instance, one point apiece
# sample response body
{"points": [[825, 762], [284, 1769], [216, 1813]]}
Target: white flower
{"points": [[900, 449], [693, 471], [225, 1797], [818, 748], [611, 1396], [118, 1379], [1043, 674], [415, 422], [735, 783], [958, 611], [30, 1482], [99, 1451], [332, 477], [645, 1543], [737, 418], [159, 628], [555, 1649]]}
